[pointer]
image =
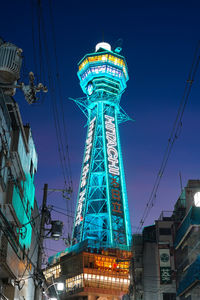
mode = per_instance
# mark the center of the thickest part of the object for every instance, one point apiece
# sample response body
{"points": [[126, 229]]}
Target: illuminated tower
{"points": [[102, 214], [96, 265]]}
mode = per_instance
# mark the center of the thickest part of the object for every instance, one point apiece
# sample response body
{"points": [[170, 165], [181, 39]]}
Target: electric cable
{"points": [[29, 260], [65, 148], [60, 94], [60, 212], [86, 222], [52, 86], [33, 37], [173, 136], [55, 92]]}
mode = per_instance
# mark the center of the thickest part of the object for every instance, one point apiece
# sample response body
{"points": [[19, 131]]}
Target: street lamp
{"points": [[59, 287]]}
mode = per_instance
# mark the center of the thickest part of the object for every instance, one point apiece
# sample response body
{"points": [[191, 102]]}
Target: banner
{"points": [[165, 266]]}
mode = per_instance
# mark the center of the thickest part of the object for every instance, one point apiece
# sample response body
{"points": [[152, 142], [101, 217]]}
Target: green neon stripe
{"points": [[124, 192], [107, 179]]}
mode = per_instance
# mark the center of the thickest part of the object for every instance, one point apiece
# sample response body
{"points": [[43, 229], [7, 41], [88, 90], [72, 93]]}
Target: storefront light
{"points": [[197, 199], [60, 286]]}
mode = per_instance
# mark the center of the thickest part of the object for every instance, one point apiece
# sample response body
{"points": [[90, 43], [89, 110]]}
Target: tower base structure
{"points": [[91, 273]]}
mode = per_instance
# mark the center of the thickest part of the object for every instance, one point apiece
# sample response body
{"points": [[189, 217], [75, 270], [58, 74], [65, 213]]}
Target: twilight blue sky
{"points": [[159, 40]]}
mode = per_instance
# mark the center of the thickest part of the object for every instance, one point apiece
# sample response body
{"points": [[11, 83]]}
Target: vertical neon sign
{"points": [[85, 171], [119, 234]]}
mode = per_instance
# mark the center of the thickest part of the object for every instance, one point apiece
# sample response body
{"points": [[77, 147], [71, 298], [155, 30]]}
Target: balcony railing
{"points": [[192, 218], [192, 276]]}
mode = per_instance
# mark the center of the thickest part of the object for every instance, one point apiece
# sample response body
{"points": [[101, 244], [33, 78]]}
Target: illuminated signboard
{"points": [[165, 266], [112, 152], [114, 180], [85, 171]]}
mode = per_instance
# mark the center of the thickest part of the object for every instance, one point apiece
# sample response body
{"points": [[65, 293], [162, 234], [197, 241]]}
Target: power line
{"points": [[65, 147], [46, 63], [175, 133], [59, 90], [85, 222], [49, 62], [62, 213]]}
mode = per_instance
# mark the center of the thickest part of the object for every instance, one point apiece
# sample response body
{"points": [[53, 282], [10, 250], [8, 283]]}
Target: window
{"points": [[169, 296], [4, 170], [54, 271], [186, 297], [74, 283], [165, 231]]}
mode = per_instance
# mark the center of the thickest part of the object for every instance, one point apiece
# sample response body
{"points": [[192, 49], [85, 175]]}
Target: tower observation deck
{"points": [[102, 214]]}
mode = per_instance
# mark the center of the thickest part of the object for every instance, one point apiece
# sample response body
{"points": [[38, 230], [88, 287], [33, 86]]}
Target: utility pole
{"points": [[38, 293], [56, 232]]}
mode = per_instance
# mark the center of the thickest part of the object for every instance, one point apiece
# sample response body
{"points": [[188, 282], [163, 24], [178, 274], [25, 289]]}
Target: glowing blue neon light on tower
{"points": [[102, 214]]}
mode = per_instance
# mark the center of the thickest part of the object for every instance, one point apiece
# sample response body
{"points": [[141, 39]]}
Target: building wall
{"points": [[158, 282], [187, 246], [150, 271], [18, 243], [176, 235], [103, 274]]}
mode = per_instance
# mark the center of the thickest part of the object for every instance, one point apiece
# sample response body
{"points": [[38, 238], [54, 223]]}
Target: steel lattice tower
{"points": [[102, 214]]}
